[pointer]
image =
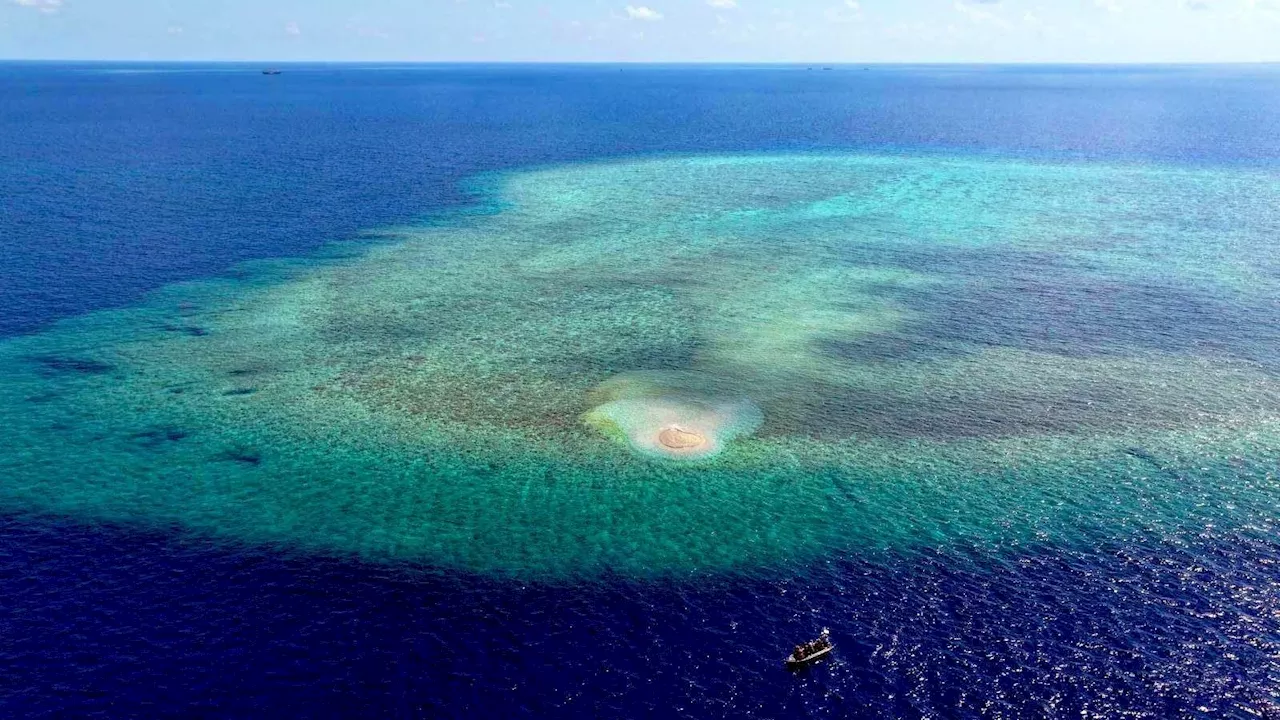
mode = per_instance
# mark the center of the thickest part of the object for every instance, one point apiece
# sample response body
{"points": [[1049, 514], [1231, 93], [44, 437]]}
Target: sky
{"points": [[861, 31]]}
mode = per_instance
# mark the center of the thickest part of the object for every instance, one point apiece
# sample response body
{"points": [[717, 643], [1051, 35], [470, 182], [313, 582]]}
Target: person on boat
{"points": [[800, 652]]}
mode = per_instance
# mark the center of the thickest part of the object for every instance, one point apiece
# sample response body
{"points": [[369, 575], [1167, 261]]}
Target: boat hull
{"points": [[792, 662]]}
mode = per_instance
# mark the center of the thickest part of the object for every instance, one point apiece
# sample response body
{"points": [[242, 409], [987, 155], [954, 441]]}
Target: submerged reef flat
{"points": [[708, 363]]}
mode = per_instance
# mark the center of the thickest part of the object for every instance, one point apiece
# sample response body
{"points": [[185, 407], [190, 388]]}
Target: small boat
{"points": [[811, 651], [270, 71]]}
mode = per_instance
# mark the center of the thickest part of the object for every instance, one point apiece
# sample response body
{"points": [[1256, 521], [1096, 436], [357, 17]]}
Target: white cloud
{"points": [[291, 28], [1108, 5], [174, 29], [501, 5], [44, 6], [1268, 5], [643, 13], [914, 32], [723, 4], [851, 11], [980, 16]]}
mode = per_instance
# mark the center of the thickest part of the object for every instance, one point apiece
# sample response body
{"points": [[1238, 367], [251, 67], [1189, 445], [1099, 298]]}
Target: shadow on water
{"points": [[1042, 302]]}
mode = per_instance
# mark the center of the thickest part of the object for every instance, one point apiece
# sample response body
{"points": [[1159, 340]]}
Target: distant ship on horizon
{"points": [[271, 71]]}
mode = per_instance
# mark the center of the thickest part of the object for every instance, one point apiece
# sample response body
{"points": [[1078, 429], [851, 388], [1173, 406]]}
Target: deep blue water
{"points": [[115, 182]]}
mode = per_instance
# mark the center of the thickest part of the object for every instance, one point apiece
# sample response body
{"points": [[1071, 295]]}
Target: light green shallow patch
{"points": [[432, 398]]}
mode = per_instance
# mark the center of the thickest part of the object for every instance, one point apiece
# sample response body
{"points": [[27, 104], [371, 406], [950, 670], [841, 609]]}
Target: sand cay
{"points": [[675, 438], [665, 419]]}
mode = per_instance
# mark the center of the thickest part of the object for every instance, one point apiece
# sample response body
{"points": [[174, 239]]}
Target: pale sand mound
{"points": [[669, 422], [680, 439]]}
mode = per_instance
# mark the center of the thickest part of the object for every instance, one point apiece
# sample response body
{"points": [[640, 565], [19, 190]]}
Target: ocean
{"points": [[339, 392]]}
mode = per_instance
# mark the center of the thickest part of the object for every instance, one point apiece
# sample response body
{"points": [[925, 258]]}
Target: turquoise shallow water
{"points": [[885, 352]]}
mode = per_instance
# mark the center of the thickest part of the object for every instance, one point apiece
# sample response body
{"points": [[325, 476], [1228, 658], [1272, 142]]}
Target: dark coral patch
{"points": [[157, 437], [243, 456], [83, 366], [192, 330]]}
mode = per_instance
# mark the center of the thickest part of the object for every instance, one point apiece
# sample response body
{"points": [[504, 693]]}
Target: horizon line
{"points": [[777, 63]]}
